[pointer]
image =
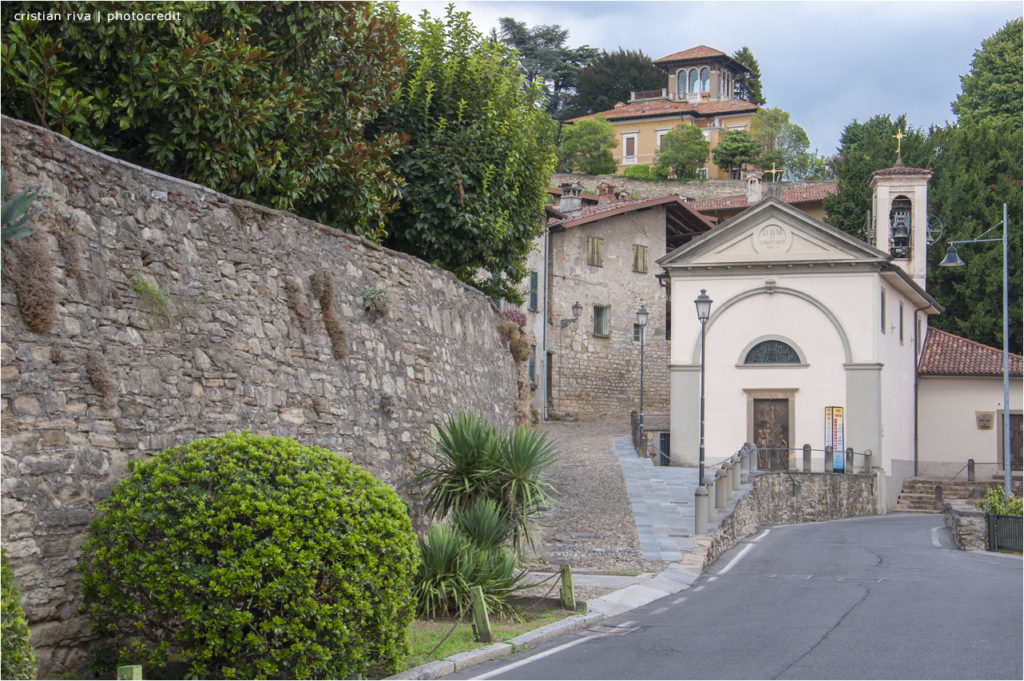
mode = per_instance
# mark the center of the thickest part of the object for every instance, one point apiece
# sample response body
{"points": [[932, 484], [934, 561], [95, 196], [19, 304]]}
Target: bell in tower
{"points": [[899, 228], [899, 212]]}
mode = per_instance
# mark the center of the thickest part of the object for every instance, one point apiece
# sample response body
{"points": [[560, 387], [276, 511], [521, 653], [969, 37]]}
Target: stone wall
{"points": [[648, 189], [966, 522], [164, 311], [787, 499]]}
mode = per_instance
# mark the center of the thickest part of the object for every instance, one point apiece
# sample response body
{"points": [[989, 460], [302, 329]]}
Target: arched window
{"points": [[899, 219], [693, 81], [771, 352], [705, 80], [681, 82]]}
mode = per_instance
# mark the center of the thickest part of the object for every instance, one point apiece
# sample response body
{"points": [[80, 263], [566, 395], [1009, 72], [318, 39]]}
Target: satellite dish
{"points": [[934, 229]]}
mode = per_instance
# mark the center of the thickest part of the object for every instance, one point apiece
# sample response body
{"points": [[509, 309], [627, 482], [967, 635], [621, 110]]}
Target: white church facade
{"points": [[805, 318]]}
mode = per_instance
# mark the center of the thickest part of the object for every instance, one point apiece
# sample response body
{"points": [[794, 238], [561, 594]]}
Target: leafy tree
{"points": [[18, 658], [611, 77], [783, 143], [683, 150], [748, 85], [545, 60], [735, 149], [993, 88], [479, 156], [865, 148], [263, 101], [977, 170], [586, 146]]}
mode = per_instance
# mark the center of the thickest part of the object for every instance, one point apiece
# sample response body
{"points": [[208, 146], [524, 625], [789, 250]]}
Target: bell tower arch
{"points": [[899, 213]]}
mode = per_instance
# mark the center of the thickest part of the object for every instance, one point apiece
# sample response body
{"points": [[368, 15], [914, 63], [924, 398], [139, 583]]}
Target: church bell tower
{"points": [[899, 217]]}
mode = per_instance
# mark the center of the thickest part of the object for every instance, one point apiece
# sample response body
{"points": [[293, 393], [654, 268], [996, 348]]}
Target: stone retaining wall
{"points": [[165, 311], [966, 522], [648, 189], [787, 499]]}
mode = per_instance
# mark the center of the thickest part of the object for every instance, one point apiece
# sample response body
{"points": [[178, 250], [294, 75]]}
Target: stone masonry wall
{"points": [[180, 313], [774, 499], [649, 189]]}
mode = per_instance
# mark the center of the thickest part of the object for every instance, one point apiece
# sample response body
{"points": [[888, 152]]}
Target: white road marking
{"points": [[732, 563], [659, 611], [698, 588], [935, 538], [532, 658], [712, 578], [761, 536], [679, 600]]}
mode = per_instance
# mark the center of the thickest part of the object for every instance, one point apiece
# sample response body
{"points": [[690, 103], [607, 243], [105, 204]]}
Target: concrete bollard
{"points": [[848, 468], [721, 489], [709, 504], [867, 461], [828, 459], [734, 470], [939, 505], [700, 510], [970, 470], [807, 459], [744, 465]]}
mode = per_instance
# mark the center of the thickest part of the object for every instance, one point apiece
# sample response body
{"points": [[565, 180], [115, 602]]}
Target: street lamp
{"points": [[641, 321], [577, 310], [703, 303], [953, 259]]}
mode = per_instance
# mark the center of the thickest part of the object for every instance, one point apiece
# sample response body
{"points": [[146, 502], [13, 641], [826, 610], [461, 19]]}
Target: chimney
{"points": [[572, 202], [754, 188]]}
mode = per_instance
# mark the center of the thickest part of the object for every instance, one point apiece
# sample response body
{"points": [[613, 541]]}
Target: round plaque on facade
{"points": [[772, 238]]}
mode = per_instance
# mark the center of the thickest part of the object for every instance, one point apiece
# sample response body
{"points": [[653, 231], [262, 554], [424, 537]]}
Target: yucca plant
{"points": [[484, 524], [468, 457], [497, 573], [522, 489], [441, 585], [15, 212]]}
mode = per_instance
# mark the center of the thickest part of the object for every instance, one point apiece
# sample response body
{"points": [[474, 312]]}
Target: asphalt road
{"points": [[871, 598]]}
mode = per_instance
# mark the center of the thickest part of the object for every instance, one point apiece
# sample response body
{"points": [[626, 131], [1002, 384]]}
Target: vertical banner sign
{"points": [[834, 436]]}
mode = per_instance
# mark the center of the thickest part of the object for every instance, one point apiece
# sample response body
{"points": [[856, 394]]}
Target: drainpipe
{"points": [[917, 375], [544, 322]]}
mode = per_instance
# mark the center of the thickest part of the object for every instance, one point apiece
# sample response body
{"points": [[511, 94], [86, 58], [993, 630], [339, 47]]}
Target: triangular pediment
{"points": [[772, 232]]}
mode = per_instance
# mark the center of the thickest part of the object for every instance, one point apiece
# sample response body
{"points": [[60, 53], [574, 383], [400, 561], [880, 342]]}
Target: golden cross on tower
{"points": [[899, 141], [773, 171]]}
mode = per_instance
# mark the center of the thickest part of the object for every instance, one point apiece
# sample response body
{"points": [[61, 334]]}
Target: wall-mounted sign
{"points": [[985, 419], [834, 436], [772, 238]]}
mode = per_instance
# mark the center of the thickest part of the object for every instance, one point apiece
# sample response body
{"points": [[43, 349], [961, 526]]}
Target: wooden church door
{"points": [[771, 433]]}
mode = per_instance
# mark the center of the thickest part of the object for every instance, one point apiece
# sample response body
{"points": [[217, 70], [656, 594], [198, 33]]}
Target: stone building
{"points": [[700, 83], [600, 257]]}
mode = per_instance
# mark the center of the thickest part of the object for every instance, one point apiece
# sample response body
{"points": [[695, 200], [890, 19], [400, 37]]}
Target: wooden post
{"points": [[568, 593], [129, 671], [481, 623], [938, 498]]}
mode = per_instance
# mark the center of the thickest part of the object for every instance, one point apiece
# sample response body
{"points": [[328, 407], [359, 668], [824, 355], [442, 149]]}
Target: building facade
{"points": [[700, 83]]}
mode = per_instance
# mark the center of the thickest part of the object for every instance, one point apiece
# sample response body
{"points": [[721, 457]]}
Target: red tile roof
{"points": [[699, 52], [947, 355], [666, 107], [604, 210], [805, 194]]}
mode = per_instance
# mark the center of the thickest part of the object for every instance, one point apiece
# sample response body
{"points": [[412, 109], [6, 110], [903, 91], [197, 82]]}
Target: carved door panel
{"points": [[771, 433]]}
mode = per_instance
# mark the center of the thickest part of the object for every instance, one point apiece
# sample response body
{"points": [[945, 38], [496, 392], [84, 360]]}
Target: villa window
{"points": [[681, 82], [533, 290], [629, 149], [772, 352], [693, 81], [705, 80], [640, 259], [595, 251], [602, 320]]}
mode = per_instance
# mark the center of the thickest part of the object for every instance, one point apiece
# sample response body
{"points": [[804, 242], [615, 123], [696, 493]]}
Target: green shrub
{"points": [[637, 172], [483, 524], [476, 461], [660, 173], [252, 557], [996, 503], [17, 658]]}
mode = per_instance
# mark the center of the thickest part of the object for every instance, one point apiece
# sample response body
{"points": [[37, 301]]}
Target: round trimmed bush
{"points": [[17, 658], [252, 557]]}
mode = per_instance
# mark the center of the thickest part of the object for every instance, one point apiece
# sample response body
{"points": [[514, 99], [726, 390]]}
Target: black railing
{"points": [[1004, 533]]}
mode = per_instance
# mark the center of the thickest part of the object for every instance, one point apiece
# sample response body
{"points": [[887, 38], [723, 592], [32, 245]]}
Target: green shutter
{"points": [[533, 290]]}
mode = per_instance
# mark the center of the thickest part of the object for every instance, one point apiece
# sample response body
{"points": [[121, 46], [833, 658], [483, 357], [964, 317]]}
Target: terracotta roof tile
{"points": [[806, 194], [699, 52], [608, 209], [666, 107], [947, 355]]}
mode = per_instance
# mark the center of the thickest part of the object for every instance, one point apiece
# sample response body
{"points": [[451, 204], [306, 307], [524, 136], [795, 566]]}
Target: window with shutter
{"points": [[533, 291], [595, 251], [640, 258], [602, 320]]}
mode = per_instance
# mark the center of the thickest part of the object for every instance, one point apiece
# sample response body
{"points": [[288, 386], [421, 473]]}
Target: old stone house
{"points": [[700, 84]]}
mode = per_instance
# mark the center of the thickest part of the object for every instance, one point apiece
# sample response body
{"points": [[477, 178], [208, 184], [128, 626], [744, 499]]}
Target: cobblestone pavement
{"points": [[590, 524]]}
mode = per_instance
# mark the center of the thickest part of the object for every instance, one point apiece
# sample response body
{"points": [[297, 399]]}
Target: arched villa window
{"points": [[705, 80], [693, 81], [772, 352], [681, 82]]}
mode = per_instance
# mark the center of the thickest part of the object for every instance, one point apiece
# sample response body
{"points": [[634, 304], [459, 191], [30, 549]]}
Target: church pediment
{"points": [[772, 232]]}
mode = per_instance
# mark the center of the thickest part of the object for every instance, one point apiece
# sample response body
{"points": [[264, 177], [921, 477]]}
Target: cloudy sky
{"points": [[827, 63]]}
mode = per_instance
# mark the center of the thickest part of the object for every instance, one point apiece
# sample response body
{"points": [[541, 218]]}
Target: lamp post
{"points": [[952, 259], [577, 309], [641, 321], [703, 303]]}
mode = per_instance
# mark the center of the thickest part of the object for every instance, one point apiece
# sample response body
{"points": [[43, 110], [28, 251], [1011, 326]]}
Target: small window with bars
{"points": [[640, 258], [595, 251], [602, 320]]}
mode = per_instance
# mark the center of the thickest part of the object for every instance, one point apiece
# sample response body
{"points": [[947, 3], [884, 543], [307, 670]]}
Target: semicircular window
{"points": [[771, 352]]}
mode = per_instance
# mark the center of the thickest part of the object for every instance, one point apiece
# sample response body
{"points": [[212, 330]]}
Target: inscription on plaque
{"points": [[771, 239]]}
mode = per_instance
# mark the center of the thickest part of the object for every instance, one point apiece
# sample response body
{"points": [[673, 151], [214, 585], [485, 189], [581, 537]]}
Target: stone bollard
{"points": [[848, 468], [828, 459], [867, 461], [807, 458], [970, 470], [700, 510], [938, 498], [721, 489], [734, 471], [744, 465]]}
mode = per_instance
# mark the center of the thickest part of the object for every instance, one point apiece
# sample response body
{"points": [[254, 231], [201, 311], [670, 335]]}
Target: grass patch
{"points": [[424, 635], [154, 297]]}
